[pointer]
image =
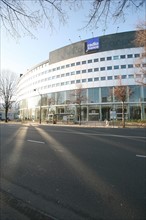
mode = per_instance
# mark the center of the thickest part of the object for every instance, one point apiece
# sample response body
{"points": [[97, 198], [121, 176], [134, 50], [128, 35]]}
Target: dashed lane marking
{"points": [[38, 142], [137, 155]]}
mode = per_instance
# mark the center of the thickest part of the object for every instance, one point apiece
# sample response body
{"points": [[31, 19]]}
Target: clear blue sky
{"points": [[22, 54]]}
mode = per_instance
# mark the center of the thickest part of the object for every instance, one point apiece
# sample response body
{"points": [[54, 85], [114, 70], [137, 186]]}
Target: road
{"points": [[73, 173]]}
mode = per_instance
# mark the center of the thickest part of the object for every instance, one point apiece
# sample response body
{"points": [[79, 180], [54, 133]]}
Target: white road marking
{"points": [[38, 142], [137, 155]]}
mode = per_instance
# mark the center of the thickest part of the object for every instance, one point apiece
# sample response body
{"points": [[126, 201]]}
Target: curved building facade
{"points": [[81, 77]]}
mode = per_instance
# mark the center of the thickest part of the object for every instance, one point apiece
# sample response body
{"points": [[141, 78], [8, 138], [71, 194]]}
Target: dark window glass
{"points": [[90, 80], [96, 79], [96, 69], [78, 72], [103, 78], [130, 65], [109, 77], [122, 56], [84, 62], [72, 64], [77, 63], [83, 71], [109, 67], [137, 55], [72, 82], [96, 60], [78, 81], [67, 65], [129, 55], [102, 59], [89, 70], [89, 61], [83, 80], [124, 76], [62, 67], [116, 67], [123, 66], [102, 68], [109, 58]]}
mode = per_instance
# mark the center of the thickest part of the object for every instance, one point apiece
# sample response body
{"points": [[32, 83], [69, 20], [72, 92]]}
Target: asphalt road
{"points": [[73, 173]]}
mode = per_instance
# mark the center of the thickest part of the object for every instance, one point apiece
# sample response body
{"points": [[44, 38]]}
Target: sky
{"points": [[19, 55]]}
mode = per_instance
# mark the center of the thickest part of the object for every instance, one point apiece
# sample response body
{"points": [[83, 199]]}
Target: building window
{"points": [[72, 64], [102, 59], [73, 73], [67, 74], [122, 56], [83, 80], [95, 60], [103, 78], [96, 69], [84, 62], [62, 75], [130, 56], [78, 81], [96, 79], [58, 68], [109, 67], [102, 68], [89, 70], [124, 76], [131, 76], [89, 61], [62, 84], [116, 57], [67, 65], [109, 58], [123, 66], [130, 65], [109, 77], [78, 72], [77, 63], [116, 77], [62, 67], [73, 82], [90, 80], [83, 71], [136, 55], [116, 67]]}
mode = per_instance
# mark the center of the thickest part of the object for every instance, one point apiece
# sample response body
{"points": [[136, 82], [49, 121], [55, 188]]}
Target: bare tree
{"points": [[140, 41], [121, 93], [105, 10], [79, 97], [7, 90], [22, 16]]}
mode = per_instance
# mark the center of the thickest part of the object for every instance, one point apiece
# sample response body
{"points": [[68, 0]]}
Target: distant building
{"points": [[93, 65]]}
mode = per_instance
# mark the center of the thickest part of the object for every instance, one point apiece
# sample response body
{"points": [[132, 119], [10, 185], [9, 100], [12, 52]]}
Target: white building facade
{"points": [[94, 66]]}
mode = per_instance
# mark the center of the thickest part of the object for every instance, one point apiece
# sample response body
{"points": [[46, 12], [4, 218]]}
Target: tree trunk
{"points": [[123, 116], [6, 115]]}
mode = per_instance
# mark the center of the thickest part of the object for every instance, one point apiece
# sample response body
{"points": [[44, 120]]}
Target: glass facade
{"points": [[57, 80]]}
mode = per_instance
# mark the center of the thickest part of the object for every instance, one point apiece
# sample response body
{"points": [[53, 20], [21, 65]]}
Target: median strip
{"points": [[38, 142]]}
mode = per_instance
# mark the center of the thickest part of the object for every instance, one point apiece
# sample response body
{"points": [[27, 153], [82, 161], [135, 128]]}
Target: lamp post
{"points": [[40, 118]]}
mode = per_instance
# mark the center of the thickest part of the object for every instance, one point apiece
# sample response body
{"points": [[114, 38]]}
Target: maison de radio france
{"points": [[93, 67]]}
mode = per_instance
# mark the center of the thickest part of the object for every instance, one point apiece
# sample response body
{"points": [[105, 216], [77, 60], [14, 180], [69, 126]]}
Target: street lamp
{"points": [[40, 118]]}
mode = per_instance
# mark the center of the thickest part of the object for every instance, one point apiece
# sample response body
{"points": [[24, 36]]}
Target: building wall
{"points": [[70, 67]]}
